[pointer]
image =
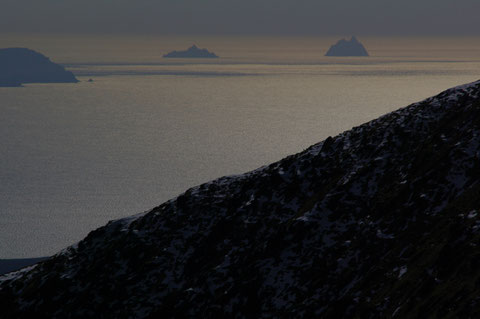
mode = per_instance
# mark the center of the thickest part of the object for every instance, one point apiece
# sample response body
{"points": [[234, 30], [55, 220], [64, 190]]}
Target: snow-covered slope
{"points": [[380, 221]]}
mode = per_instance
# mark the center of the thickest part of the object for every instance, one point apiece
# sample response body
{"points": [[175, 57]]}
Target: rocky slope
{"points": [[20, 65], [381, 221]]}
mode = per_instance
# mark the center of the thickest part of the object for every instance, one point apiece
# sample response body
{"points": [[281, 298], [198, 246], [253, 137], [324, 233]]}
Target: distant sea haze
{"points": [[147, 128]]}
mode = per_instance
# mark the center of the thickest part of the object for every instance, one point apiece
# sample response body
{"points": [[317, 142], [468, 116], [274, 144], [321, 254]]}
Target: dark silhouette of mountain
{"points": [[192, 52], [380, 221], [347, 48], [19, 65]]}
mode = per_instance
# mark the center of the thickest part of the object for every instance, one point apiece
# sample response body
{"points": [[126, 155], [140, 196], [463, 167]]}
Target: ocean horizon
{"points": [[75, 156]]}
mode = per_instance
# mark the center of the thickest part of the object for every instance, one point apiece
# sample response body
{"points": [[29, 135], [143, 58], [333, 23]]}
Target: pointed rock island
{"points": [[347, 48], [21, 65], [192, 52], [381, 221]]}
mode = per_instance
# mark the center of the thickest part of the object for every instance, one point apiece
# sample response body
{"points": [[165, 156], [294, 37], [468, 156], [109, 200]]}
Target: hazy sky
{"points": [[309, 17]]}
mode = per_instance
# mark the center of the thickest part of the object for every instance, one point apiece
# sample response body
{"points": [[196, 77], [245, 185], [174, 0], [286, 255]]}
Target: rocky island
{"points": [[192, 52], [380, 221], [344, 47], [21, 65]]}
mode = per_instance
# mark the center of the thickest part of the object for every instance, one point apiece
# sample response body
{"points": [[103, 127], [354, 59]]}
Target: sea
{"points": [[147, 128]]}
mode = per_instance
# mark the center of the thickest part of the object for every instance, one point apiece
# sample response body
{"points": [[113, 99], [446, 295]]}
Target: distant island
{"points": [[347, 48], [21, 65], [192, 52]]}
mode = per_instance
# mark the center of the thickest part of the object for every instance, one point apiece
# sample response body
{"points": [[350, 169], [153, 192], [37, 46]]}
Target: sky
{"points": [[248, 17]]}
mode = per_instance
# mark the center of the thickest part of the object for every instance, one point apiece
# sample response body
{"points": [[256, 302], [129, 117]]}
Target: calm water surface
{"points": [[74, 156]]}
